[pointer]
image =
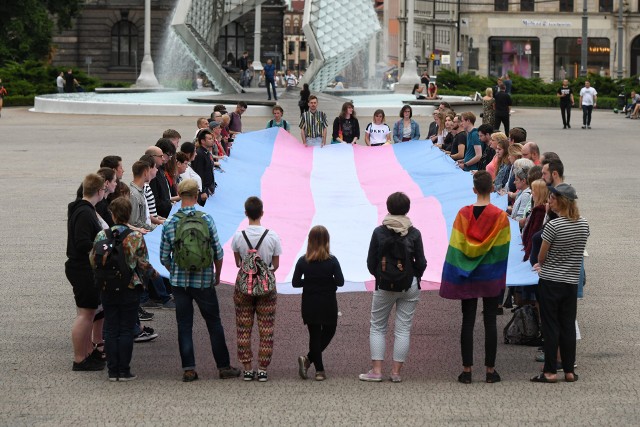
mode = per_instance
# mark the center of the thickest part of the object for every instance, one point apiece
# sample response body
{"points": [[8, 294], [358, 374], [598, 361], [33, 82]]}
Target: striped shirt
{"points": [[567, 241], [151, 200], [313, 123], [179, 277]]}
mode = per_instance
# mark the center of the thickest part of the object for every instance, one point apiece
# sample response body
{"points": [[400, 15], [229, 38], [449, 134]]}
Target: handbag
{"points": [[335, 141]]}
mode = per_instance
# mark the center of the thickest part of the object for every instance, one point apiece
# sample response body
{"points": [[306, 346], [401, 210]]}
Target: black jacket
{"points": [[161, 192], [414, 242], [82, 228], [203, 166]]}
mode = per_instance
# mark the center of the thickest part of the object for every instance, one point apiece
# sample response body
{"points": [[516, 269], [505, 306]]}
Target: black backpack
{"points": [[111, 271], [284, 123], [395, 267], [523, 328]]}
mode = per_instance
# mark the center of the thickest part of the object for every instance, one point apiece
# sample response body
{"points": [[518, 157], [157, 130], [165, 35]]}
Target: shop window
{"points": [[501, 5], [527, 5], [567, 55], [520, 55], [566, 5], [124, 44]]}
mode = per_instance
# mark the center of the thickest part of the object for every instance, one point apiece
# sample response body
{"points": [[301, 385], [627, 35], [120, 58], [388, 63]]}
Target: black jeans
{"points": [[558, 307], [270, 83], [565, 110], [319, 338], [504, 119], [469, 308], [586, 114], [120, 316]]}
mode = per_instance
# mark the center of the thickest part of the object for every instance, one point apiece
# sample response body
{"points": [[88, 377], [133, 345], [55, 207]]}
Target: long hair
{"points": [[567, 208], [318, 244], [540, 192], [503, 142], [343, 113]]}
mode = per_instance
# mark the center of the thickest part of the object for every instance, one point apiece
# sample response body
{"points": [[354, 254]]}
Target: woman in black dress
{"points": [[318, 273]]}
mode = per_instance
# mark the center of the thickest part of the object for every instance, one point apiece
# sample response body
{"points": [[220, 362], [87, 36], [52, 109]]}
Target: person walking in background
{"points": [[318, 273], [60, 82], [3, 93], [269, 74], [69, 82], [503, 109], [588, 101], [303, 103], [396, 260], [566, 102], [476, 267], [488, 108]]}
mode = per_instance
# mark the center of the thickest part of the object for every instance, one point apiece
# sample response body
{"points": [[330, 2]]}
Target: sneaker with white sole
{"points": [[370, 377], [262, 376], [249, 375], [147, 334]]}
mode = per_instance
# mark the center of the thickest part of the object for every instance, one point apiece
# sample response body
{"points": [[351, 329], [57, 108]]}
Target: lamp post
{"points": [[620, 39], [585, 40], [410, 71], [147, 76]]}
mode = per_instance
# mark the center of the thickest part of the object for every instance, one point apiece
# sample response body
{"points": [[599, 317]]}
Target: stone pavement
{"points": [[46, 156]]}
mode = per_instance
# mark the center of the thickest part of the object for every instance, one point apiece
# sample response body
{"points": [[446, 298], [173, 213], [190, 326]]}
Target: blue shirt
{"points": [[473, 139], [269, 71], [179, 277]]}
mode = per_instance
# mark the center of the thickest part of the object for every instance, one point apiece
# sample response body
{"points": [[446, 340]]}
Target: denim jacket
{"points": [[398, 128]]}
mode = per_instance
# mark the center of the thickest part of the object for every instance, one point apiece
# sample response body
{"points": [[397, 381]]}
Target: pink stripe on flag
{"points": [[380, 174], [286, 195]]}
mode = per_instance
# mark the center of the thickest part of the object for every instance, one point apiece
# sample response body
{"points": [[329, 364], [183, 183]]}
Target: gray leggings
{"points": [[383, 302]]}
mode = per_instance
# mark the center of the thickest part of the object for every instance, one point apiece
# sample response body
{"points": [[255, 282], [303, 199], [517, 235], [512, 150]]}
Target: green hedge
{"points": [[552, 101], [19, 101]]}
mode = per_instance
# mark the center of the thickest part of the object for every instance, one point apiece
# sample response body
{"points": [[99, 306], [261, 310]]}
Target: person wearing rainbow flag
{"points": [[476, 267]]}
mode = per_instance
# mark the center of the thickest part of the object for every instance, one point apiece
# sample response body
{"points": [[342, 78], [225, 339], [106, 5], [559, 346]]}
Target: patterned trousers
{"points": [[264, 309]]}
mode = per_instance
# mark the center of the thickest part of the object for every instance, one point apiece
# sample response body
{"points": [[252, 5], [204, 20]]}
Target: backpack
{"points": [[193, 251], [523, 328], [111, 271], [284, 124], [395, 267], [254, 277]]}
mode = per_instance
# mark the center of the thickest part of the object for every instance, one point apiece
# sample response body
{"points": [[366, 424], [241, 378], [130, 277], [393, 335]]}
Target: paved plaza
{"points": [[45, 156]]}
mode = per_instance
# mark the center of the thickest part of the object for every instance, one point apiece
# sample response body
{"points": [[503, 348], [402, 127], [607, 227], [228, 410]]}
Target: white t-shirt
{"points": [[587, 95], [59, 81], [191, 174], [269, 247], [377, 133]]}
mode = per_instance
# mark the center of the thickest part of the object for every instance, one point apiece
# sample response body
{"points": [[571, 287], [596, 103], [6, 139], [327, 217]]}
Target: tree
{"points": [[26, 26]]}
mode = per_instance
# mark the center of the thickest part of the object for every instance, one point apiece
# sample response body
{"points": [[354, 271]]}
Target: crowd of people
{"points": [[108, 212]]}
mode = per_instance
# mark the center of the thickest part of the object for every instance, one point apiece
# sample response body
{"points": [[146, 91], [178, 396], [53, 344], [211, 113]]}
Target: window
{"points": [[292, 47], [567, 55], [501, 5], [527, 5], [605, 5], [566, 5], [231, 43], [124, 44], [520, 55], [303, 46]]}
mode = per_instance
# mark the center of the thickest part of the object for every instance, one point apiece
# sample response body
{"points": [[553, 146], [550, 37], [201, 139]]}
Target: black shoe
{"points": [[465, 378], [89, 364], [493, 377], [568, 125], [564, 127], [144, 315], [127, 377]]}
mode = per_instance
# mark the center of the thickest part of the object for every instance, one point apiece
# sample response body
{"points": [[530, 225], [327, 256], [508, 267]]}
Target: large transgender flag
{"points": [[344, 188]]}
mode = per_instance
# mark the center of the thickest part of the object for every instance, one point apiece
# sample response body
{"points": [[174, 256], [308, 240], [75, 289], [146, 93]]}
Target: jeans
{"points": [[565, 111], [469, 308], [270, 83], [319, 338], [207, 302], [120, 316], [558, 307], [314, 142], [383, 302], [586, 114], [160, 289]]}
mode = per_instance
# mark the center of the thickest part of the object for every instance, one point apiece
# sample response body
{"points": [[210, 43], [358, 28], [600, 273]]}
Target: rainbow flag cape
{"points": [[344, 188], [476, 262]]}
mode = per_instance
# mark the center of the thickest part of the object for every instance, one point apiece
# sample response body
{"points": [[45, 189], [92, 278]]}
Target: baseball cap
{"points": [[565, 190]]}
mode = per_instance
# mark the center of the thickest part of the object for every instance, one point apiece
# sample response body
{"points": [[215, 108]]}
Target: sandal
{"points": [[571, 380], [541, 378], [493, 377], [98, 352], [465, 378]]}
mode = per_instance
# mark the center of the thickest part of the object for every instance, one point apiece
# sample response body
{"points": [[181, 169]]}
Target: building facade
{"points": [[107, 39], [296, 52]]}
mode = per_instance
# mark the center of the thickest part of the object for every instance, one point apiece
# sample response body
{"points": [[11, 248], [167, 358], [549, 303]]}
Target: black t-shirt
{"points": [[566, 99], [503, 102], [460, 138]]}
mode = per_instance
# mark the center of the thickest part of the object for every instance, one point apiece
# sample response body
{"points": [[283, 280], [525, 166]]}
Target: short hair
{"points": [[122, 190], [148, 159], [540, 191], [446, 105], [139, 168], [398, 203], [548, 156], [253, 207], [486, 128], [489, 92], [482, 182], [107, 173], [220, 108], [241, 104], [188, 147], [202, 134], [200, 120], [379, 111], [171, 133], [226, 119], [277, 107], [533, 148], [188, 188], [555, 165], [405, 108], [522, 172], [120, 209], [91, 184], [110, 162], [535, 173], [502, 86], [468, 115], [318, 244], [312, 97], [166, 146], [517, 135], [182, 157]]}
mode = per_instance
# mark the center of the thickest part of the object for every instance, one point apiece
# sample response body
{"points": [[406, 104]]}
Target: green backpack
{"points": [[193, 251]]}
